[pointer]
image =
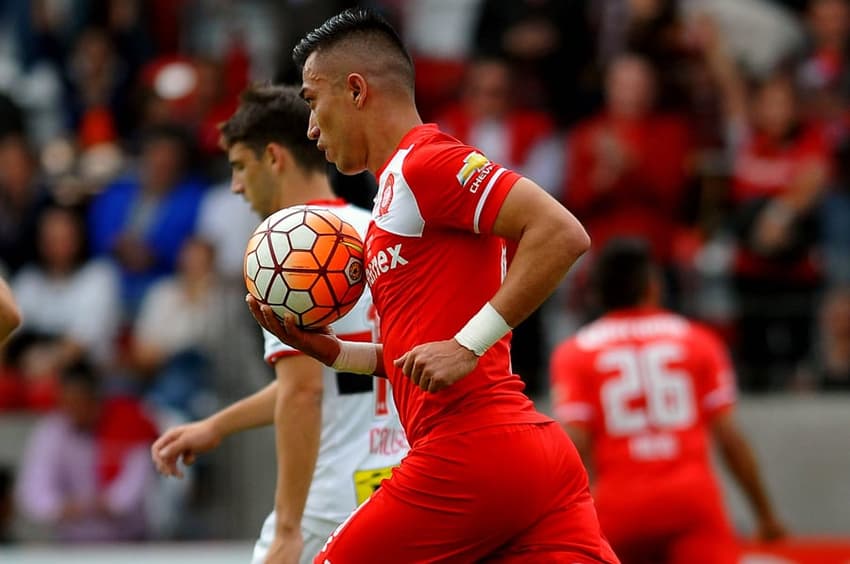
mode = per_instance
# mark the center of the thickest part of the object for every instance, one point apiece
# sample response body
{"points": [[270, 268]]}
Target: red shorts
{"points": [[513, 493], [655, 524]]}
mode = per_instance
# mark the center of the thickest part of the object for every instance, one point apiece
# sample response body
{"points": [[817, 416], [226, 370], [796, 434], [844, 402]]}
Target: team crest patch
{"points": [[386, 196], [473, 163]]}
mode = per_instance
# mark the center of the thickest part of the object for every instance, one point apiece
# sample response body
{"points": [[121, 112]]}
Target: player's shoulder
{"points": [[432, 151]]}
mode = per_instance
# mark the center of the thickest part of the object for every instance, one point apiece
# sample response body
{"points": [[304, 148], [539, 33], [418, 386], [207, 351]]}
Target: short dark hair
{"points": [[622, 273], [81, 373], [355, 23], [273, 114]]}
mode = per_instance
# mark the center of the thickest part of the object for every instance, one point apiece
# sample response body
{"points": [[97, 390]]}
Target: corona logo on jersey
{"points": [[386, 196], [384, 260], [474, 163]]}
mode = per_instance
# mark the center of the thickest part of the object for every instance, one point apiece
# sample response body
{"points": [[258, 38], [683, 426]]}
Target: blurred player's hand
{"points": [[319, 343], [186, 442], [286, 548], [770, 529], [434, 366]]}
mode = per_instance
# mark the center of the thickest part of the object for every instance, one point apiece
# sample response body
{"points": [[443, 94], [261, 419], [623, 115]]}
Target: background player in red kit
{"points": [[487, 477], [640, 390]]}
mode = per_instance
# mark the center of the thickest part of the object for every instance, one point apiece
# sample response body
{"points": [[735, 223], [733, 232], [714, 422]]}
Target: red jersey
{"points": [[432, 262], [645, 383]]}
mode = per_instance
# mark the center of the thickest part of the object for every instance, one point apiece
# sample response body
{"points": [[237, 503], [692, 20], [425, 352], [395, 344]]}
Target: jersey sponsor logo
{"points": [[475, 164], [384, 260], [386, 196]]}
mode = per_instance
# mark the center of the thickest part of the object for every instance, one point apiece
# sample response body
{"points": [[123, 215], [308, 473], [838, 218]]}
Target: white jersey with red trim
{"points": [[362, 439]]}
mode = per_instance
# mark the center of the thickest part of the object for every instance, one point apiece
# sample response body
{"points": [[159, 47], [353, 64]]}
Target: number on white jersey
{"points": [[645, 371]]}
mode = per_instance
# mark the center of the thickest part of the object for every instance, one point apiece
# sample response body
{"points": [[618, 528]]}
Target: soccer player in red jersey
{"points": [[641, 391], [488, 478]]}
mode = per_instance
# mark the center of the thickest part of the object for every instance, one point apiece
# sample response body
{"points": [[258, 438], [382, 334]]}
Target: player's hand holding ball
{"points": [[304, 270]]}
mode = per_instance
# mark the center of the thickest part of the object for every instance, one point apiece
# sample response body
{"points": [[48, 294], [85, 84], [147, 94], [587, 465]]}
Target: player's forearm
{"points": [[298, 424], [545, 252], [256, 410], [741, 461], [360, 358]]}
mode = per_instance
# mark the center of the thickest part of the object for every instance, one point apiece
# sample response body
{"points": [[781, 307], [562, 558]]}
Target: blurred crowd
{"points": [[717, 130]]}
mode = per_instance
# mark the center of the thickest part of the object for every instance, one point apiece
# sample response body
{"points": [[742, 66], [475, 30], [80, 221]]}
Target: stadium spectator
{"points": [[141, 220], [444, 213], [179, 327], [627, 170], [537, 37], [823, 73], [641, 390], [23, 197], [86, 472], [71, 303]]}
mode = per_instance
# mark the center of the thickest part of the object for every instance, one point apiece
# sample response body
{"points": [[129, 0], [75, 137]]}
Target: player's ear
{"points": [[279, 157], [357, 89]]}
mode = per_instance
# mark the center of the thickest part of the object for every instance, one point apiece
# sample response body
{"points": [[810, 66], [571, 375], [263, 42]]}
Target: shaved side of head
{"points": [[359, 41]]}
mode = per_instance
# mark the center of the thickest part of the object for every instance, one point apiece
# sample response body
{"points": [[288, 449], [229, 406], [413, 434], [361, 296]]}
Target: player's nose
{"points": [[312, 129], [236, 187]]}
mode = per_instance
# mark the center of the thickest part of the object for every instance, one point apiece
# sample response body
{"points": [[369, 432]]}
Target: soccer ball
{"points": [[307, 262]]}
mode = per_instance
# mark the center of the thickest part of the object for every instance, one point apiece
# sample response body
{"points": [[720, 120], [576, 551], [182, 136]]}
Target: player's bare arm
{"points": [[298, 428], [187, 441], [10, 315], [739, 458], [320, 344], [550, 239]]}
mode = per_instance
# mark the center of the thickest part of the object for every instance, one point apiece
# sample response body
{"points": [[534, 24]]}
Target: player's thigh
{"points": [[457, 500], [566, 527]]}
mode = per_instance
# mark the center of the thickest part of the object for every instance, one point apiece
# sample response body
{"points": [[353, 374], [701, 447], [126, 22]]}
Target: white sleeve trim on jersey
{"points": [[719, 397], [480, 207], [574, 411]]}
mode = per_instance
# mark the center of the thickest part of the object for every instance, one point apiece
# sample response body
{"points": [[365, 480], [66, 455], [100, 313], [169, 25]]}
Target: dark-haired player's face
{"points": [[253, 178], [333, 123]]}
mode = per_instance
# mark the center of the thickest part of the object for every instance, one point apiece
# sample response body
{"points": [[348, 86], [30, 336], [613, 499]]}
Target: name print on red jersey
{"points": [[383, 261]]}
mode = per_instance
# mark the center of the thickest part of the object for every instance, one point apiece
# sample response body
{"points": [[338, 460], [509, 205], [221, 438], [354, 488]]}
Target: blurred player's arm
{"points": [[298, 428], [10, 315], [580, 436], [739, 458], [189, 440]]}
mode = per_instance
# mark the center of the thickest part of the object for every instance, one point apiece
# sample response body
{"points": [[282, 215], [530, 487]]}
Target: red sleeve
{"points": [[716, 388], [572, 394], [456, 186]]}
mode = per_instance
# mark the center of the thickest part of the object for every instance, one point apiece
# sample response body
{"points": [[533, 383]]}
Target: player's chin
{"points": [[348, 167]]}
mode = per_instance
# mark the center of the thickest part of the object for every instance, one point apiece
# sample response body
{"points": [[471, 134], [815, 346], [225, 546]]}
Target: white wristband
{"points": [[358, 358], [483, 330]]}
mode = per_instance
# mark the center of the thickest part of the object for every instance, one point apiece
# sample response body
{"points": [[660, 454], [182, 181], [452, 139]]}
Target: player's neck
{"points": [[303, 187], [388, 132]]}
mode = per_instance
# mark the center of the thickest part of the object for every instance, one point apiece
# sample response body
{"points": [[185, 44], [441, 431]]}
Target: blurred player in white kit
{"points": [[337, 434]]}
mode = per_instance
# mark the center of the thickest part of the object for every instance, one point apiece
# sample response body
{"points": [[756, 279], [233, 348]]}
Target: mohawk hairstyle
{"points": [[353, 23], [273, 114]]}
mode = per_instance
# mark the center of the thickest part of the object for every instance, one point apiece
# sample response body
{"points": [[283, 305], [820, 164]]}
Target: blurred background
{"points": [[718, 130]]}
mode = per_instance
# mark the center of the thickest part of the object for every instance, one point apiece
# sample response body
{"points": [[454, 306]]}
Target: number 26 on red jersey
{"points": [[646, 371]]}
